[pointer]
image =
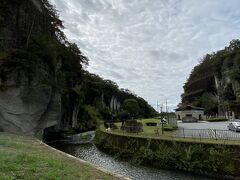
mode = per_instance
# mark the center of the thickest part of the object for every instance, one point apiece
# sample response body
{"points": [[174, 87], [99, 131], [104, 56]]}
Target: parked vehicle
{"points": [[234, 126]]}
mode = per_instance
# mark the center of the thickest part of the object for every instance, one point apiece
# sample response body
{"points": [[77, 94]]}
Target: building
{"points": [[190, 114], [172, 118]]}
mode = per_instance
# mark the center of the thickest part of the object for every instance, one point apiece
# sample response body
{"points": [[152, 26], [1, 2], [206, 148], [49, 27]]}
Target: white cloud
{"points": [[147, 46]]}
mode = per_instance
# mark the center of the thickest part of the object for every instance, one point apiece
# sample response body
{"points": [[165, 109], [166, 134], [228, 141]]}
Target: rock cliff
{"points": [[27, 105], [43, 87], [215, 83]]}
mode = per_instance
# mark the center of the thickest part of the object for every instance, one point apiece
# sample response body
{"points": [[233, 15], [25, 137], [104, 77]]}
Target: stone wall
{"points": [[216, 160]]}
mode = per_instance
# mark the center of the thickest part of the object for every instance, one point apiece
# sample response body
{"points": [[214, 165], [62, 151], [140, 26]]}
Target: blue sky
{"points": [[149, 46]]}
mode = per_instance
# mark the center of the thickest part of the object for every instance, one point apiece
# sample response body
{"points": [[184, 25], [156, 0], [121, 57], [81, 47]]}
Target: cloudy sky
{"points": [[149, 46]]}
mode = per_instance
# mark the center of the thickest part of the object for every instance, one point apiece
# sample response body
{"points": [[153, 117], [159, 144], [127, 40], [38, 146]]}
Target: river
{"points": [[90, 153]]}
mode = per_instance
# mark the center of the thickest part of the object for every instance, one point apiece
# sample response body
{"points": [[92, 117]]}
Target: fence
{"points": [[198, 134], [216, 134]]}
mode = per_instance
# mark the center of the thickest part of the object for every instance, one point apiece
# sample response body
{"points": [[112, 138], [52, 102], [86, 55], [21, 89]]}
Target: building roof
{"points": [[189, 107]]}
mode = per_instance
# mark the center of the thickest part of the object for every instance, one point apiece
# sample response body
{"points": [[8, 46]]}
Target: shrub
{"points": [[110, 125], [151, 124], [88, 118], [169, 127], [106, 113], [132, 126], [216, 119]]}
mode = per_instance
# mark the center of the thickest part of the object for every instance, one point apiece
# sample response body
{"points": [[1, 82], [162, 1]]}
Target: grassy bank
{"points": [[219, 160], [26, 158]]}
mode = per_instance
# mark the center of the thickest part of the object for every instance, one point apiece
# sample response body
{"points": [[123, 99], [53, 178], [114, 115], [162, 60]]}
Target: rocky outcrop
{"points": [[215, 83], [27, 106], [19, 115]]}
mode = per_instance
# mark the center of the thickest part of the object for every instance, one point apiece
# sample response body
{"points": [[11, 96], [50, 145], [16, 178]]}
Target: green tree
{"points": [[132, 107], [209, 102]]}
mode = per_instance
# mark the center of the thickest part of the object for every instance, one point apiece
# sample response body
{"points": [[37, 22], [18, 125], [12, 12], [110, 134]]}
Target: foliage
{"points": [[88, 118], [131, 106], [45, 57], [209, 102], [216, 119], [235, 74], [217, 75], [170, 127], [151, 124], [123, 115], [105, 113], [132, 126], [99, 92], [218, 160], [56, 23]]}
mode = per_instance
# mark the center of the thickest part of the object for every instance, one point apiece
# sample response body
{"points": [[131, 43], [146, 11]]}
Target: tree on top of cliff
{"points": [[215, 77]]}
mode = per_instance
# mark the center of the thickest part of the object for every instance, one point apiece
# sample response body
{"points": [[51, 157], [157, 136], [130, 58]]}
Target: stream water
{"points": [[90, 153]]}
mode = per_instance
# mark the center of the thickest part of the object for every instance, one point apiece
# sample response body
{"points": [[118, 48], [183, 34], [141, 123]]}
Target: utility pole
{"points": [[162, 120], [167, 112]]}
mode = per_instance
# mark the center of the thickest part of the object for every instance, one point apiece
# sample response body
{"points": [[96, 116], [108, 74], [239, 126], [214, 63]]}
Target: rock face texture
{"points": [[43, 87], [26, 104], [28, 109], [214, 84]]}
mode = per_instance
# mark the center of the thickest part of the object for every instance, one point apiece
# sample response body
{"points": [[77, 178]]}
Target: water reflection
{"points": [[90, 153]]}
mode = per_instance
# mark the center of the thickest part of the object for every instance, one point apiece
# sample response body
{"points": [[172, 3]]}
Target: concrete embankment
{"points": [[216, 160]]}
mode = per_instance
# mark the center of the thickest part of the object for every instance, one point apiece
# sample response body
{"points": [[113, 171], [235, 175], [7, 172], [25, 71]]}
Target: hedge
{"points": [[217, 119]]}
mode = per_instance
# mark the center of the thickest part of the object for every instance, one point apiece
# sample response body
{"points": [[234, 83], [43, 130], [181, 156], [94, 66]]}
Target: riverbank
{"points": [[24, 157], [90, 153], [217, 160]]}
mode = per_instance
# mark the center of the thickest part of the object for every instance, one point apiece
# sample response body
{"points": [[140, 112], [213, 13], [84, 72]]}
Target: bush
{"points": [[132, 126], [151, 124], [123, 115], [110, 125], [169, 127], [105, 113], [216, 119], [88, 118]]}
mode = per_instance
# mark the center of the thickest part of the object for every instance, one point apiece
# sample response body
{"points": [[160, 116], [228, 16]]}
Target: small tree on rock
{"points": [[132, 107]]}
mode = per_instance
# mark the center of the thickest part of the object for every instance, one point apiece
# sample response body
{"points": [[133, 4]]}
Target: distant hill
{"points": [[214, 84]]}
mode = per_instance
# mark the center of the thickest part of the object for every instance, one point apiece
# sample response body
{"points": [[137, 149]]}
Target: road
{"points": [[204, 125], [212, 130]]}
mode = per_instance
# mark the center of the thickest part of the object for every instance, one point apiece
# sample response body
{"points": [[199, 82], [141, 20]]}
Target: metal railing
{"points": [[198, 134], [216, 134]]}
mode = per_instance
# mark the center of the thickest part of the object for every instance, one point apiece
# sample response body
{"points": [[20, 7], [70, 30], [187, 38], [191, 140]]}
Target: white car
{"points": [[234, 126]]}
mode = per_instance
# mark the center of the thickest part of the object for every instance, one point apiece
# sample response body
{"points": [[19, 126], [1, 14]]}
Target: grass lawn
{"points": [[152, 131], [155, 132], [26, 158], [154, 120]]}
